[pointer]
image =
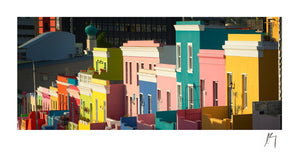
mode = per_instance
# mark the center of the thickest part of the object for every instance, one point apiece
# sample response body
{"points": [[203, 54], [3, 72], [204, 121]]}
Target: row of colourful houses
{"points": [[210, 79]]}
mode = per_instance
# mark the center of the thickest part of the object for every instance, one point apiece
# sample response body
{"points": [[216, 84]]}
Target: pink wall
{"points": [[189, 119], [46, 98], [212, 68], [142, 43], [167, 83], [146, 122], [133, 88]]}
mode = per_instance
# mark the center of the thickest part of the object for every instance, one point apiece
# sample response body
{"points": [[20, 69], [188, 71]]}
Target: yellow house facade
{"points": [[53, 98], [251, 71], [100, 89]]}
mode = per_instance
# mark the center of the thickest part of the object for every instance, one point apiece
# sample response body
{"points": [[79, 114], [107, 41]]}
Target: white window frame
{"points": [[150, 103], [190, 101], [215, 93], [244, 87], [142, 65], [141, 103], [126, 72], [168, 101], [158, 99], [130, 72], [137, 70], [202, 81], [179, 96], [190, 57], [178, 57]]}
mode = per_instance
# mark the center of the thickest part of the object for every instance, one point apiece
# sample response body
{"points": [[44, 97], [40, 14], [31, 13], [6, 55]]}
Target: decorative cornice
{"points": [[104, 54], [189, 27], [100, 88], [141, 51], [62, 83], [243, 48], [146, 76], [167, 72]]}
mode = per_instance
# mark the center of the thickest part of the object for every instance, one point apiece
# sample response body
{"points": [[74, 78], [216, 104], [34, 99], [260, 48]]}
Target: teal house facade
{"points": [[190, 37]]}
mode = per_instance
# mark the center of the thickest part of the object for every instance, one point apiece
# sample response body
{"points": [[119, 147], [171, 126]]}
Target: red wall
{"points": [[115, 103]]}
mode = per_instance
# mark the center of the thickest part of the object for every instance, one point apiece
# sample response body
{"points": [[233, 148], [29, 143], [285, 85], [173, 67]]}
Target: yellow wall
{"points": [[100, 97], [239, 65], [53, 100], [219, 112], [82, 126], [275, 25], [244, 37], [215, 118], [209, 123]]}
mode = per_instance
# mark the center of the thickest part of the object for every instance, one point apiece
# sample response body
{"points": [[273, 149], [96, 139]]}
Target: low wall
{"points": [[128, 123], [209, 123], [98, 126], [147, 118], [242, 122], [166, 120], [183, 124], [219, 112], [83, 126]]}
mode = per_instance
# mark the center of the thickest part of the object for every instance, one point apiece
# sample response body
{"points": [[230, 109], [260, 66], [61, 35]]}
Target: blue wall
{"points": [[149, 88], [128, 123]]}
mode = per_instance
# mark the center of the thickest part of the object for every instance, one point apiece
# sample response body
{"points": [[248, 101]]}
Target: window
{"points": [[215, 93], [105, 66], [190, 57], [202, 83], [143, 28], [179, 96], [178, 56], [150, 103], [158, 99], [148, 28], [142, 65], [141, 103], [45, 77], [137, 26], [168, 100], [154, 65], [131, 102], [130, 73], [91, 111], [158, 28], [190, 96], [244, 76], [150, 66], [137, 70], [164, 28], [126, 72], [96, 110], [83, 108]]}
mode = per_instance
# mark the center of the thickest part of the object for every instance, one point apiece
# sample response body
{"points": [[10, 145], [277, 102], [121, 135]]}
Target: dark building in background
{"points": [[121, 29], [26, 28]]}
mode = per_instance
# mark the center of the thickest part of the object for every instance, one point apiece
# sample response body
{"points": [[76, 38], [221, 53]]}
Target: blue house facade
{"points": [[190, 37], [148, 92]]}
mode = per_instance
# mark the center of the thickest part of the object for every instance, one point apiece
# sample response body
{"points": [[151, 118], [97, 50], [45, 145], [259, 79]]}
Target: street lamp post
{"points": [[34, 91]]}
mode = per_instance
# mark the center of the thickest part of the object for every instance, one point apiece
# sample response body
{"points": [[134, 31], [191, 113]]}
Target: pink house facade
{"points": [[74, 100], [136, 55], [166, 87], [46, 98], [212, 77]]}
